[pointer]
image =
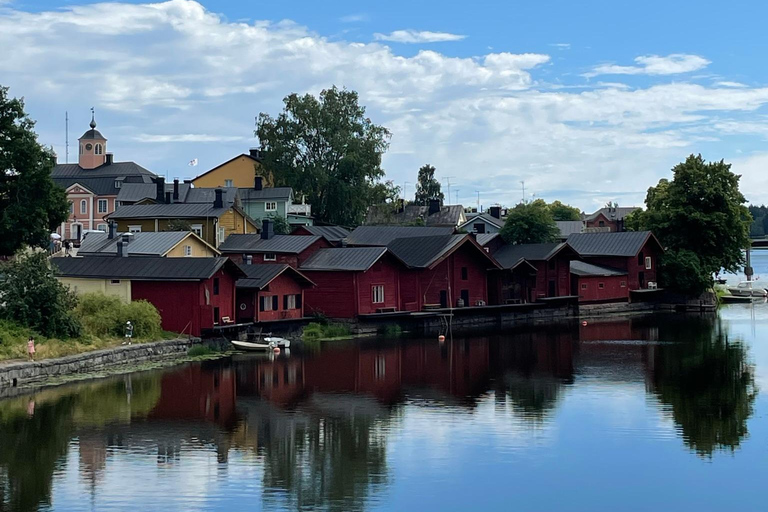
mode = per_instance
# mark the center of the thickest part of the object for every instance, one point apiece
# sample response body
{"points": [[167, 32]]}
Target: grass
{"points": [[201, 351], [315, 331], [392, 331]]}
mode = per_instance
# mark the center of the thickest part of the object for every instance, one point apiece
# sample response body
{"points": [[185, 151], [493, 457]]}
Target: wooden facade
{"points": [[239, 172]]}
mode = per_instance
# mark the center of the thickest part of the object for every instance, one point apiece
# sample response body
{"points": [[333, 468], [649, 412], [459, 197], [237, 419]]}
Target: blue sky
{"points": [[585, 101]]}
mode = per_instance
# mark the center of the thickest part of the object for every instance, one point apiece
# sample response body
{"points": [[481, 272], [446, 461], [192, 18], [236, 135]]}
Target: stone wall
{"points": [[16, 374]]}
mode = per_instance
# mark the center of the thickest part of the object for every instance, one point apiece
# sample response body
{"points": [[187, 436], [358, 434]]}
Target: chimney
{"points": [[176, 190], [112, 230], [125, 238], [258, 183], [255, 153], [160, 195], [122, 249], [109, 159], [495, 211], [188, 182], [168, 197], [400, 205], [267, 229], [218, 202], [344, 242], [434, 206]]}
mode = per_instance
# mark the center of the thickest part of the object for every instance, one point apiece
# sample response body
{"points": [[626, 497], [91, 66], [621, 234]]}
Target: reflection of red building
{"points": [[458, 368], [279, 380]]}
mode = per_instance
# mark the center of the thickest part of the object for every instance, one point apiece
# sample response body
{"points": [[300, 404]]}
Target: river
{"points": [[647, 413]]}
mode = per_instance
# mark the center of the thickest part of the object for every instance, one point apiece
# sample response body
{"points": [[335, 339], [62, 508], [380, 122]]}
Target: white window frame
{"points": [[102, 227], [72, 229], [114, 282], [222, 234], [267, 303], [270, 206], [71, 207], [134, 229], [98, 149], [270, 256], [83, 207], [377, 294], [197, 229], [648, 263], [228, 183], [187, 250], [291, 302], [104, 202]]}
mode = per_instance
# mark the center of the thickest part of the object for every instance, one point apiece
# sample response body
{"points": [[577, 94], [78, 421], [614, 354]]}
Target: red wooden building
{"points": [[443, 271], [352, 281], [633, 252], [267, 247], [271, 292], [192, 295], [595, 283], [608, 219], [553, 269]]}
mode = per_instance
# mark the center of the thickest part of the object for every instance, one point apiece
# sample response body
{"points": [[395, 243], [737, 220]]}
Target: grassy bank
{"points": [[316, 331]]}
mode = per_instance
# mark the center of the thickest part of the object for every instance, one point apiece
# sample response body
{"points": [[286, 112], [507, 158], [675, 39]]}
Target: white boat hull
{"points": [[247, 345]]}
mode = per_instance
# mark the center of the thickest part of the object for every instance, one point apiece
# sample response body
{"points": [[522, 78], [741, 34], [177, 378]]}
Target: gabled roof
{"points": [[383, 235], [101, 184], [330, 233], [428, 251], [258, 277], [581, 268], [385, 215], [611, 213], [253, 243], [483, 217], [627, 243], [509, 255], [568, 227], [112, 170], [349, 259], [225, 163], [167, 211], [485, 238], [92, 134], [143, 269], [269, 193], [146, 243]]}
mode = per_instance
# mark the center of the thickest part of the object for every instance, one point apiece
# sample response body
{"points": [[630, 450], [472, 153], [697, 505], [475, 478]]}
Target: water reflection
{"points": [[319, 428]]}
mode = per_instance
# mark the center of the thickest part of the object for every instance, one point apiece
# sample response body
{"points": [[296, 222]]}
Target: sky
{"points": [[586, 102]]}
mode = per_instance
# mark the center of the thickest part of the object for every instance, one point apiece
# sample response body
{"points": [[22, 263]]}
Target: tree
{"points": [[427, 187], [279, 224], [325, 148], [31, 205], [34, 298], [561, 211], [701, 211], [178, 225], [530, 223]]}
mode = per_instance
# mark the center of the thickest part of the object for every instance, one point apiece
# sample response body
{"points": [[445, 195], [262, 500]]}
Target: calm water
{"points": [[661, 413]]}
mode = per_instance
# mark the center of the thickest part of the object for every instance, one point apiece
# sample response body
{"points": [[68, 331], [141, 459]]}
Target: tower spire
{"points": [[93, 118]]}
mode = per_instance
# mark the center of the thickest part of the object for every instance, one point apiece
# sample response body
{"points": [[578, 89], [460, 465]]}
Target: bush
{"points": [[200, 350], [316, 331], [106, 316], [682, 271]]}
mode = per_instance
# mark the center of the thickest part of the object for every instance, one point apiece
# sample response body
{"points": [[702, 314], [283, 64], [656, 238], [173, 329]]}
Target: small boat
{"points": [[747, 289], [250, 346], [259, 341]]}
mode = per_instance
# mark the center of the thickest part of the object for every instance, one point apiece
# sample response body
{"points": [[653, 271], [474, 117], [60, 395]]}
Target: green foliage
{"points": [[759, 226], [427, 186], [200, 351], [317, 331], [392, 331], [530, 223], [34, 298], [681, 270], [702, 211], [31, 205], [325, 148], [280, 224], [106, 316], [178, 225], [385, 193], [561, 211]]}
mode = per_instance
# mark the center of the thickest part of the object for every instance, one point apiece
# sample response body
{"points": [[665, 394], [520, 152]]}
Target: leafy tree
{"points": [[34, 298], [702, 211], [561, 211], [681, 270], [530, 223], [279, 223], [178, 225], [385, 193], [31, 205], [326, 149], [427, 187]]}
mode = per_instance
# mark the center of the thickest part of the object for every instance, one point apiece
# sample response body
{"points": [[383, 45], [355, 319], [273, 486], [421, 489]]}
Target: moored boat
{"points": [[747, 289]]}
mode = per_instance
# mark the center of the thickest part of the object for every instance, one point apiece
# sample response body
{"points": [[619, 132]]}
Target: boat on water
{"points": [[259, 342], [748, 289]]}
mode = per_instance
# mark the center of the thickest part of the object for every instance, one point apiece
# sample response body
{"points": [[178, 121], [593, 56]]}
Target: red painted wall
{"points": [[334, 295], [632, 266], [281, 286], [607, 223], [385, 273], [294, 260], [447, 276], [611, 291], [557, 269]]}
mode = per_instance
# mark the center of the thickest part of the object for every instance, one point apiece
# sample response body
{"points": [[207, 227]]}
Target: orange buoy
{"points": [[276, 350], [441, 338]]}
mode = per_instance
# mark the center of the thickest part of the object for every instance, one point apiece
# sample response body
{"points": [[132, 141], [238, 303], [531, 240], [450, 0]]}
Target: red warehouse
{"points": [[266, 247], [634, 252], [553, 267], [352, 281], [595, 283], [192, 294], [270, 292], [443, 271]]}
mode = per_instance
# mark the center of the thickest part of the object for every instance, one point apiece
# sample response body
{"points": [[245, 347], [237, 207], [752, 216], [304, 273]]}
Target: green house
{"points": [[261, 203]]}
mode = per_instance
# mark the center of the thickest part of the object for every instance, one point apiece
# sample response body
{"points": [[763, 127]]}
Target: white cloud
{"points": [[754, 179], [672, 64], [729, 84], [561, 46], [416, 36], [180, 71], [354, 18]]}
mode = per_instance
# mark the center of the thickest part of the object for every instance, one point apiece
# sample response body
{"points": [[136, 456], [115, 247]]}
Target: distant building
{"points": [[382, 236], [239, 172], [608, 219], [433, 215], [596, 283], [553, 269], [568, 227], [170, 244], [270, 293], [267, 247], [484, 223]]}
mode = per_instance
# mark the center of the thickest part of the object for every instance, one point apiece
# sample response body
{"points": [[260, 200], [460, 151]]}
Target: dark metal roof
{"points": [[448, 216], [383, 235], [422, 252], [207, 195], [146, 243], [142, 269], [485, 238], [352, 259], [627, 243], [167, 211], [617, 213], [134, 192], [92, 134], [284, 244], [258, 277], [509, 255], [484, 217], [273, 193], [568, 227], [114, 170], [581, 268], [330, 233]]}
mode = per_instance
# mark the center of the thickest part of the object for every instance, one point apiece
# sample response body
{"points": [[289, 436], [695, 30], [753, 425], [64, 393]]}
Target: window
{"points": [[215, 285], [601, 223], [601, 285], [478, 228], [270, 206], [623, 284], [640, 258], [265, 303], [71, 207], [228, 183], [197, 229], [248, 259], [583, 286], [222, 234], [114, 281], [118, 183], [187, 250], [99, 149], [648, 265], [102, 227], [377, 294], [464, 276], [270, 256], [291, 301], [83, 206], [102, 206], [134, 229]]}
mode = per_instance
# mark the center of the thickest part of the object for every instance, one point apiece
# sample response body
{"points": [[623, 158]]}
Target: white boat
{"points": [[259, 343], [251, 346], [747, 289]]}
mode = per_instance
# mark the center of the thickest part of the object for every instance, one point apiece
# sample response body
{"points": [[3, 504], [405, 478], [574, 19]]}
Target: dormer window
{"points": [[118, 183], [99, 149]]}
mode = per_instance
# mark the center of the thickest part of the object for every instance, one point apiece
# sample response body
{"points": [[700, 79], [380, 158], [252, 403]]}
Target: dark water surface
{"points": [[649, 413]]}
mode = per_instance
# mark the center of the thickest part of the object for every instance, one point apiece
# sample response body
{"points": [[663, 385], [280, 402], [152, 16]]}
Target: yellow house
{"points": [[240, 172], [170, 244], [120, 288]]}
